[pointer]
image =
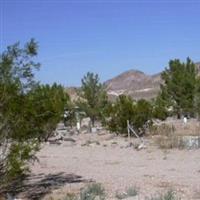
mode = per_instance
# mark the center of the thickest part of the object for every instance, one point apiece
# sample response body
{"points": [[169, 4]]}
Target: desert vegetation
{"points": [[96, 191], [30, 112]]}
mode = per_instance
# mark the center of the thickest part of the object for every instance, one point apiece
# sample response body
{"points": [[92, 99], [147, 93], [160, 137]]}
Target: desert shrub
{"points": [[70, 196], [169, 195], [122, 110], [119, 195], [138, 114], [48, 103], [163, 129], [29, 111], [92, 191], [130, 192], [169, 142]]}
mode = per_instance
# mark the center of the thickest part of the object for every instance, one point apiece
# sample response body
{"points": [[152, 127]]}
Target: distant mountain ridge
{"points": [[136, 84]]}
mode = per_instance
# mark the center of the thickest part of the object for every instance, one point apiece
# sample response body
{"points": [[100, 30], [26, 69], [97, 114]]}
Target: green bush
{"points": [[29, 112], [138, 113]]}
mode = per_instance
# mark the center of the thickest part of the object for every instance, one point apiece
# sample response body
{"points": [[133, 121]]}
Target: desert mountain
{"points": [[135, 84]]}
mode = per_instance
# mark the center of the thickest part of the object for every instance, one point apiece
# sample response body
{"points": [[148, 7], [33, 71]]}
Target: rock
{"points": [[69, 140], [110, 137], [61, 126], [85, 122], [91, 143], [141, 146], [94, 129], [132, 198], [84, 131], [54, 142]]}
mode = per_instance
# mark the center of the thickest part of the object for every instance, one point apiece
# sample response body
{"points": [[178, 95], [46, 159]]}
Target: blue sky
{"points": [[105, 37]]}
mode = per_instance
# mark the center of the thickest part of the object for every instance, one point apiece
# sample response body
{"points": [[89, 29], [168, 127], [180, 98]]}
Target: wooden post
{"points": [[128, 130]]}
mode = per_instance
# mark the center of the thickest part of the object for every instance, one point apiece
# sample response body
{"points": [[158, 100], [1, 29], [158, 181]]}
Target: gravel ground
{"points": [[117, 167]]}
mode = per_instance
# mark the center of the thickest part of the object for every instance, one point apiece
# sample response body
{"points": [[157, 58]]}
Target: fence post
{"points": [[128, 130]]}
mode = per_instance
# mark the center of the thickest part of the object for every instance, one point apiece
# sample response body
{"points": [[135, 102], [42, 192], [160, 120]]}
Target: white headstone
{"points": [[185, 120]]}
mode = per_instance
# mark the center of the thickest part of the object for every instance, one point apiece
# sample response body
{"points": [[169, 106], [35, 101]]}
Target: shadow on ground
{"points": [[35, 187]]}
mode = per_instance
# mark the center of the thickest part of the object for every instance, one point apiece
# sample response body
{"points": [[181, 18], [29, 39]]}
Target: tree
{"points": [[29, 111], [93, 98], [179, 85], [197, 98], [16, 79], [160, 107]]}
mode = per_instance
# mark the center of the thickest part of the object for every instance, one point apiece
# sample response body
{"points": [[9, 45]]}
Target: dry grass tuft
{"points": [[169, 142]]}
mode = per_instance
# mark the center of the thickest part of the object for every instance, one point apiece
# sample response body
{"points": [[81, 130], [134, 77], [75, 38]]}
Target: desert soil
{"points": [[115, 165]]}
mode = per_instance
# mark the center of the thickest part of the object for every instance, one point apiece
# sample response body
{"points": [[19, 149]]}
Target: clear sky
{"points": [[105, 37]]}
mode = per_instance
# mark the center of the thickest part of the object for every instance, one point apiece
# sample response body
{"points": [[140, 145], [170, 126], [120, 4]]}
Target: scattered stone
{"points": [[141, 146], [84, 131], [55, 142], [110, 137], [69, 140], [61, 126], [91, 143], [85, 122], [132, 198], [97, 143], [94, 129], [129, 145]]}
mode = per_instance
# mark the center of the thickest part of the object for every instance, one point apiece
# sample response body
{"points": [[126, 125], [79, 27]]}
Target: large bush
{"points": [[137, 113], [29, 111]]}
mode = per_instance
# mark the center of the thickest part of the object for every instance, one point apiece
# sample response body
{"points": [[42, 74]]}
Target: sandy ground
{"points": [[117, 167]]}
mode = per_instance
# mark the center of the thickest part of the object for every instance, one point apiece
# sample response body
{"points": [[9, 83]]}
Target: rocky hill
{"points": [[135, 84]]}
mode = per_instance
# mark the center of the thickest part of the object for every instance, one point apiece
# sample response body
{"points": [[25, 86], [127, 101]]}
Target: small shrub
{"points": [[170, 142], [169, 195], [119, 195], [132, 191], [163, 129], [70, 196], [93, 191], [114, 142]]}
